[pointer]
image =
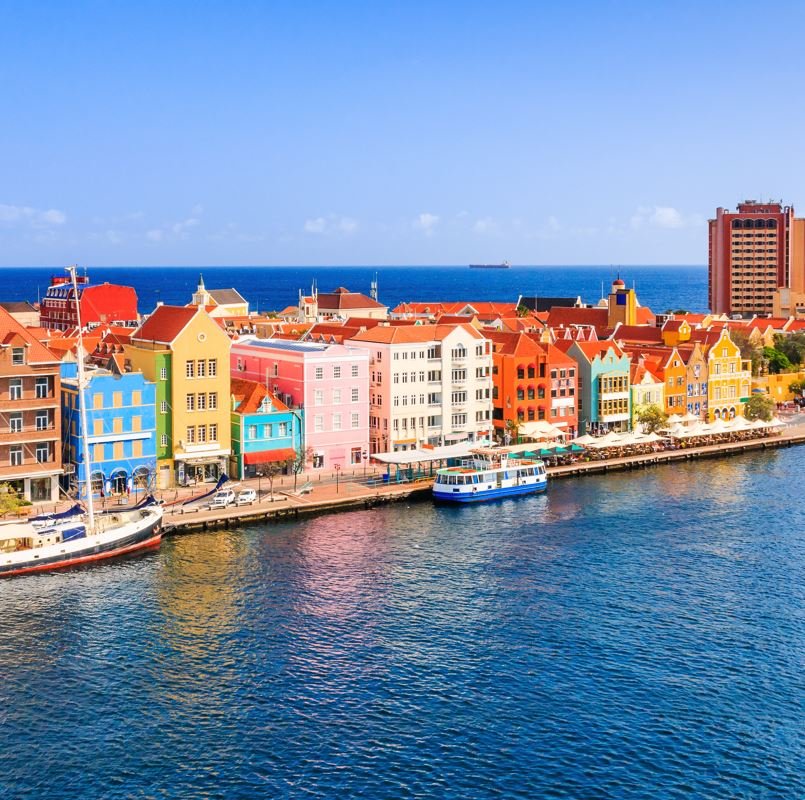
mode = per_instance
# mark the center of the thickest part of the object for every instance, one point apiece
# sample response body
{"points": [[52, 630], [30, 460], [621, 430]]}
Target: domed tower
{"points": [[621, 305]]}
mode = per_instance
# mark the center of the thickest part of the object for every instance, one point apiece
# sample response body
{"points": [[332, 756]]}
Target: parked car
{"points": [[246, 497], [222, 499]]}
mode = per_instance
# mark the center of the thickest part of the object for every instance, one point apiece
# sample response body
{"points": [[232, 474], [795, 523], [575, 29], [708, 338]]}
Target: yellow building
{"points": [[776, 386], [220, 302], [729, 377], [648, 389], [186, 353]]}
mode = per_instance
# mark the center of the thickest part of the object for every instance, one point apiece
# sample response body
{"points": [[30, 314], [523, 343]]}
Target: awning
{"points": [[405, 441], [269, 456]]}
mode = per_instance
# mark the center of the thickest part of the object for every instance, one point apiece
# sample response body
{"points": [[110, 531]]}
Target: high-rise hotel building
{"points": [[757, 261]]}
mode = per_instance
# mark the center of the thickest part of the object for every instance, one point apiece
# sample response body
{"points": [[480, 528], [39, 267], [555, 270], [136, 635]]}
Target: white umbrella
{"points": [[675, 419], [690, 418], [584, 440], [776, 422], [739, 424]]}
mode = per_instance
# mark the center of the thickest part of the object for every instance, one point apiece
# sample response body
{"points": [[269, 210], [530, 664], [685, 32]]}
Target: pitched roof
{"points": [[342, 300], [251, 395], [411, 334], [514, 344], [637, 333], [18, 307], [593, 349], [11, 330], [165, 324], [226, 297], [561, 316]]}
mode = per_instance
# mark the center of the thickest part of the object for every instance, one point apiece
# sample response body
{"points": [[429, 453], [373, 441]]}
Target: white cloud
{"points": [[426, 223], [486, 226], [331, 224], [175, 230], [32, 217], [155, 235], [663, 217]]}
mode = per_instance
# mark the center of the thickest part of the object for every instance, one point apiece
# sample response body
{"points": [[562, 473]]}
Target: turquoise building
{"points": [[605, 396], [264, 430], [121, 418]]}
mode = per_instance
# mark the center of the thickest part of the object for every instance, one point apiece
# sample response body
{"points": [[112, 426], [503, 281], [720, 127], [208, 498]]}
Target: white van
{"points": [[222, 499]]}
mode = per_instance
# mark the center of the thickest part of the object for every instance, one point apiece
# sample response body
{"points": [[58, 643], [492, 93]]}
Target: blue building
{"points": [[121, 417], [264, 430]]}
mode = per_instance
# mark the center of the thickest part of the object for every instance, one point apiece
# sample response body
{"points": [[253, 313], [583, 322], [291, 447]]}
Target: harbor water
{"points": [[622, 636]]}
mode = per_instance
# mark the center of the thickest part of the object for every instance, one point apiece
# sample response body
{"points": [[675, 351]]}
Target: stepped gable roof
{"points": [[411, 334], [514, 344], [226, 297], [165, 324], [592, 350], [565, 317], [251, 395], [343, 300], [17, 307], [637, 333]]}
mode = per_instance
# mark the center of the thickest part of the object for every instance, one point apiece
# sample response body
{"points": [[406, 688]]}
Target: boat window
{"points": [[475, 479]]}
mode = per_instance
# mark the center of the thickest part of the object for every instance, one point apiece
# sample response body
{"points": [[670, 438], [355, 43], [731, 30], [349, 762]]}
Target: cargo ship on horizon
{"points": [[502, 265]]}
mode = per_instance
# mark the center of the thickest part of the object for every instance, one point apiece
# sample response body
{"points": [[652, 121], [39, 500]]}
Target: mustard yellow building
{"points": [[186, 353], [729, 376]]}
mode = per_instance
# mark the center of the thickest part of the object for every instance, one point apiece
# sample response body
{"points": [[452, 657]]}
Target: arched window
{"points": [[142, 477], [771, 223], [737, 223]]}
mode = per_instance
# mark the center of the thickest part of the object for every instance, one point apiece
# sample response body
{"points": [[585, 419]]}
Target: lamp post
{"points": [[337, 471], [259, 483], [364, 456]]}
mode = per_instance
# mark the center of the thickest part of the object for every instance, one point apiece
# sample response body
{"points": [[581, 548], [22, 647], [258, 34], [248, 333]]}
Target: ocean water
{"points": [[636, 635], [274, 288]]}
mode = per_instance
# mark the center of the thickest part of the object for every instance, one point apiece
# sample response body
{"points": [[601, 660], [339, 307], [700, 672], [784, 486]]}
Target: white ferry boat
{"points": [[489, 474]]}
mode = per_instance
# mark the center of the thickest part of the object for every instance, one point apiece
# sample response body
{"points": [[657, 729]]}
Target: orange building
{"points": [[531, 382], [667, 364]]}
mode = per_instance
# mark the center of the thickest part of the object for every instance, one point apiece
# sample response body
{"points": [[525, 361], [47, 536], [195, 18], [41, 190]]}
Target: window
{"points": [[355, 420], [319, 373], [336, 372], [336, 422], [354, 370], [201, 401], [42, 420], [212, 367], [191, 402], [42, 387], [356, 394], [202, 433], [212, 401], [15, 423], [336, 397], [190, 370], [282, 429], [213, 432], [459, 420], [318, 460], [15, 455], [163, 373], [240, 365], [17, 356], [42, 452], [318, 397], [252, 431], [163, 407], [191, 434], [318, 423], [355, 455], [163, 440], [201, 368]]}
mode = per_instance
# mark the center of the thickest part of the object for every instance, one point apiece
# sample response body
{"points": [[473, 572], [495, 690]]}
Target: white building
{"points": [[429, 385]]}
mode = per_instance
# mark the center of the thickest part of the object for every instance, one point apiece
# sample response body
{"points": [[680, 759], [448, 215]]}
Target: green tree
{"points": [[269, 470], [749, 350], [759, 406], [9, 500], [792, 346], [777, 361], [523, 311], [797, 387], [298, 462], [513, 429], [651, 418]]}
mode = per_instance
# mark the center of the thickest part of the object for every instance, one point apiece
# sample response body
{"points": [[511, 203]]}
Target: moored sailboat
{"points": [[71, 538]]}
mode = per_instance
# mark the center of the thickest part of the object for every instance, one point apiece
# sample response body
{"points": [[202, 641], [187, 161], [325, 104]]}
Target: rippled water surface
{"points": [[623, 636]]}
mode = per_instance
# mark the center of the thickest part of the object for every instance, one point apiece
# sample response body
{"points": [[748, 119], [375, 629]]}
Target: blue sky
{"points": [[391, 133]]}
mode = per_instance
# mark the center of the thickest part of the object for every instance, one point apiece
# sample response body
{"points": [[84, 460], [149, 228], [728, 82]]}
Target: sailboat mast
{"points": [[82, 406]]}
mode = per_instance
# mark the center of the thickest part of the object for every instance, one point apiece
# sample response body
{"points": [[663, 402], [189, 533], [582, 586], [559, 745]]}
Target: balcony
{"points": [[30, 467], [29, 400], [29, 433]]}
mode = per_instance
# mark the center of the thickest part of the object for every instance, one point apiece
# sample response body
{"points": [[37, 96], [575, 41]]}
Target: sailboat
{"points": [[73, 537]]}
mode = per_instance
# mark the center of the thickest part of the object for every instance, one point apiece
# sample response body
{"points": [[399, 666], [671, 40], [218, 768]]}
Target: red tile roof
{"points": [[251, 395], [411, 334], [37, 352], [343, 300], [637, 333], [165, 324]]}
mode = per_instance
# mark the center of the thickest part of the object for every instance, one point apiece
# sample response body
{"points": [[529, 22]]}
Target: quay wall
{"points": [[363, 497]]}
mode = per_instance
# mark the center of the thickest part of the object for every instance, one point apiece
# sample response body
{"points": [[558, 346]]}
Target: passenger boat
{"points": [[73, 537], [489, 474], [502, 265]]}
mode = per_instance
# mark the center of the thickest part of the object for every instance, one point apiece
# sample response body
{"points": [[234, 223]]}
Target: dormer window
{"points": [[17, 356]]}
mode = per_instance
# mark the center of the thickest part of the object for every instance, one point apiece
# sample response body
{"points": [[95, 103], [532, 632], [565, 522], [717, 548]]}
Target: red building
{"points": [[101, 304], [756, 260]]}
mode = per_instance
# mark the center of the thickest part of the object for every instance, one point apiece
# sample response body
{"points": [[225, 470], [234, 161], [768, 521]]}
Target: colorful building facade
{"points": [[264, 429], [329, 381], [121, 421], [101, 304], [186, 354]]}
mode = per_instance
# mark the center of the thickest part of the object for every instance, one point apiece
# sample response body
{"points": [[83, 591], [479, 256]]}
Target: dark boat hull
{"points": [[149, 537]]}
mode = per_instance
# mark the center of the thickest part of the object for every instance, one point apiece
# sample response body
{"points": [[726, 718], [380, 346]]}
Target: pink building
{"points": [[330, 382]]}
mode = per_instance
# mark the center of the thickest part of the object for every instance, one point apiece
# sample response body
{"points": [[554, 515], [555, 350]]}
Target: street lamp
{"points": [[259, 492], [337, 471], [364, 456]]}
